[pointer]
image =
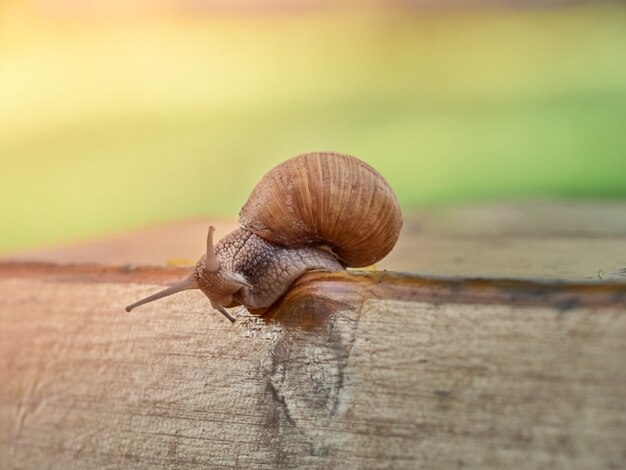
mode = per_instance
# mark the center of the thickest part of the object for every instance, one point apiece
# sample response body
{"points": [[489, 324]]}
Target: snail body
{"points": [[315, 211]]}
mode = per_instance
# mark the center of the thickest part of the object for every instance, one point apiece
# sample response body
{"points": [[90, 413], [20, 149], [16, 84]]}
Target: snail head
{"points": [[211, 277]]}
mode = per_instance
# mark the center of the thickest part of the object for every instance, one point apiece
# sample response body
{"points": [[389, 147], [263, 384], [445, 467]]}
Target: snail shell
{"points": [[329, 199]]}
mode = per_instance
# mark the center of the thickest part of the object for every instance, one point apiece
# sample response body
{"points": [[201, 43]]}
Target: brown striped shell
{"points": [[328, 199]]}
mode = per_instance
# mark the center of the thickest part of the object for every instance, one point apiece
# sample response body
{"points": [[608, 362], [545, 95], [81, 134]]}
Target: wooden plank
{"points": [[504, 349], [338, 378]]}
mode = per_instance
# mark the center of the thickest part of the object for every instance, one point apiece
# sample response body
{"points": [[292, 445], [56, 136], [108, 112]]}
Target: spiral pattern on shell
{"points": [[326, 198]]}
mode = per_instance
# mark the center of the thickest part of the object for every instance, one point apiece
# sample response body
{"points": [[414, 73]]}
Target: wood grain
{"points": [[505, 348], [336, 378]]}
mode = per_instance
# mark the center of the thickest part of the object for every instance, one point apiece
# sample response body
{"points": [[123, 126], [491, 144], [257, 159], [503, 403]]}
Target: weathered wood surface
{"points": [[351, 371], [572, 241]]}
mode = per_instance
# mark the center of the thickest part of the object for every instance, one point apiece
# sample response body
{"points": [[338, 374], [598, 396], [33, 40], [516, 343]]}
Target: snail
{"points": [[315, 211]]}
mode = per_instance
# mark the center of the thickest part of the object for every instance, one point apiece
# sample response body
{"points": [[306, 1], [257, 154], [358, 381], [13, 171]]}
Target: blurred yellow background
{"points": [[115, 115]]}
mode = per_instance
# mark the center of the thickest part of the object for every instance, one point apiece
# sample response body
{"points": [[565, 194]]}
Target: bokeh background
{"points": [[121, 114]]}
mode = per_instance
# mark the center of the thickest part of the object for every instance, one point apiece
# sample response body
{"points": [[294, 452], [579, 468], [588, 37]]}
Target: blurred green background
{"points": [[118, 117]]}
